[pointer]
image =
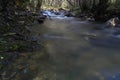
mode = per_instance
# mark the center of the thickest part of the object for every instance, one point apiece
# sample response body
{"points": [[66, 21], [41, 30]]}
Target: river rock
{"points": [[90, 19], [68, 14], [113, 22], [40, 20]]}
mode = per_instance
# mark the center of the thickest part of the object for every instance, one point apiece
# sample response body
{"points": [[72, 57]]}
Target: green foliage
{"points": [[111, 7], [3, 45], [76, 10], [65, 4], [6, 45], [23, 3], [1, 66], [13, 47]]}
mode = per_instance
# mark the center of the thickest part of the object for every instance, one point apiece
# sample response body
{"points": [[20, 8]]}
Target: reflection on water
{"points": [[76, 57]]}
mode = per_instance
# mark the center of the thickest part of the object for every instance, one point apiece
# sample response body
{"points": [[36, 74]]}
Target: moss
{"points": [[1, 66], [11, 45]]}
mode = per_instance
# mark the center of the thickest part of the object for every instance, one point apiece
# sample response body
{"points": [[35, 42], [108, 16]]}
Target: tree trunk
{"points": [[101, 10], [38, 5]]}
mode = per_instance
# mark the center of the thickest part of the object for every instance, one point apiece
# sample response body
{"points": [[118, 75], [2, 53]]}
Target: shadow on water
{"points": [[108, 42]]}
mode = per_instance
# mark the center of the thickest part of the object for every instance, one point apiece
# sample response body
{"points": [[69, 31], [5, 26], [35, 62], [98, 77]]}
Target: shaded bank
{"points": [[26, 63]]}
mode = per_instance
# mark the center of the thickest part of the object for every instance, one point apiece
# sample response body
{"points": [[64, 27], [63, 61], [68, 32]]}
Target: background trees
{"points": [[100, 9]]}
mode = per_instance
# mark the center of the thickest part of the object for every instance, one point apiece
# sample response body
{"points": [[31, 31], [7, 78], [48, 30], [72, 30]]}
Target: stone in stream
{"points": [[113, 22], [40, 19], [69, 14], [91, 19]]}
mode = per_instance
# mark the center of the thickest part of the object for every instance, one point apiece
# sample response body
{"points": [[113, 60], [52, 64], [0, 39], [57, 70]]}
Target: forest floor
{"points": [[18, 57]]}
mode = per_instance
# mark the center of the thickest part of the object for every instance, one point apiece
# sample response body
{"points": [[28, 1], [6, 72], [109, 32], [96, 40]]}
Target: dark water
{"points": [[79, 52]]}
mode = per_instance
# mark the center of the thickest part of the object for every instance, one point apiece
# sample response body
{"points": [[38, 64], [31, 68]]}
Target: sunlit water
{"points": [[79, 52]]}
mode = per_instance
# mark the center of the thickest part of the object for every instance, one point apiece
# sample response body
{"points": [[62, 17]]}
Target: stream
{"points": [[76, 51], [79, 52]]}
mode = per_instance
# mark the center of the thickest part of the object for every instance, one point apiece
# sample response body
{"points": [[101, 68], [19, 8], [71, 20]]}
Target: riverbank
{"points": [[20, 61]]}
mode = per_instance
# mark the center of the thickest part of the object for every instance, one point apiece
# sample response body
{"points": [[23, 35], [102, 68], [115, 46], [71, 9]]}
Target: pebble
{"points": [[25, 71]]}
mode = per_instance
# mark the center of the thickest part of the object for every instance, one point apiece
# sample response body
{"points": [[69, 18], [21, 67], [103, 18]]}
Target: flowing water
{"points": [[79, 52]]}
